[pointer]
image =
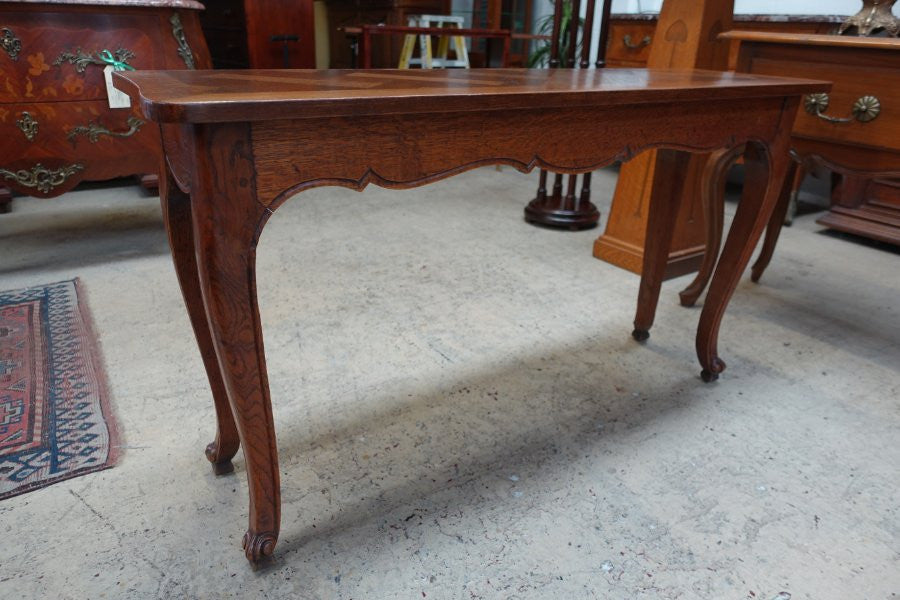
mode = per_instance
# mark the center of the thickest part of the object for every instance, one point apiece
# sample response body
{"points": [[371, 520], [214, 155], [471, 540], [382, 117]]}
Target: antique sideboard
{"points": [[56, 122], [853, 130]]}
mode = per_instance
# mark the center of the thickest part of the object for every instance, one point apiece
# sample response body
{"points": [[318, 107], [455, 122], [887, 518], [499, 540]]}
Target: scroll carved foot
{"points": [[258, 546], [641, 335], [220, 466], [712, 373]]}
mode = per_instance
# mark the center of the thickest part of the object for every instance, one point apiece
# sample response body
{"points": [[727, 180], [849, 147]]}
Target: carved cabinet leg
{"points": [[712, 194], [762, 188], [773, 229], [176, 208], [227, 222], [671, 169]]}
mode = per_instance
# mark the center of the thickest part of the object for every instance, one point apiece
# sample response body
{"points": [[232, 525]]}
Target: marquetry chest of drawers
{"points": [[854, 130], [56, 122]]}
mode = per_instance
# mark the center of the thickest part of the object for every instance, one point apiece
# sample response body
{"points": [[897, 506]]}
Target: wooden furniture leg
{"points": [[773, 229], [5, 200], [227, 222], [664, 203], [765, 170], [712, 196], [176, 209]]}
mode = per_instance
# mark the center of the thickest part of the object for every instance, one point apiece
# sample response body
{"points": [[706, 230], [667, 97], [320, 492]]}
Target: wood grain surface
{"points": [[238, 145], [221, 96]]}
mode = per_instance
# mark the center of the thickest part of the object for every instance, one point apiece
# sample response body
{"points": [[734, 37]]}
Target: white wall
{"points": [[764, 7]]}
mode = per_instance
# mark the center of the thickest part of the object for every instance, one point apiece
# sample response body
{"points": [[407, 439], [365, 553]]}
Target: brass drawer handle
{"points": [[10, 43], [82, 59], [93, 131], [865, 109], [645, 41], [28, 125], [40, 177]]}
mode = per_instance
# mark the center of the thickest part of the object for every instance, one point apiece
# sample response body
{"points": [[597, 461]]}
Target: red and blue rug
{"points": [[55, 418]]}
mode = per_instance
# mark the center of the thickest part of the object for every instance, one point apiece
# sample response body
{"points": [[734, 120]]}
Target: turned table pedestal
{"points": [[240, 143]]}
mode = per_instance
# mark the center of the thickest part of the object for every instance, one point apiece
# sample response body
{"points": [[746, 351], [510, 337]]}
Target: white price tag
{"points": [[116, 98]]}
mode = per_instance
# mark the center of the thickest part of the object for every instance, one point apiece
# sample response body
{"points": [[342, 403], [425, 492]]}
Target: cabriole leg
{"points": [[712, 193], [671, 167], [176, 209], [762, 186], [227, 223]]}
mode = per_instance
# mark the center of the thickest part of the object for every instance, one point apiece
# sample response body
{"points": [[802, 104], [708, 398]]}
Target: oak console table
{"points": [[240, 143]]}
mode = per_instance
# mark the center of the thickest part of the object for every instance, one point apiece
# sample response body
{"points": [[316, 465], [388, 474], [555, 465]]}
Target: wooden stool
{"points": [[425, 60]]}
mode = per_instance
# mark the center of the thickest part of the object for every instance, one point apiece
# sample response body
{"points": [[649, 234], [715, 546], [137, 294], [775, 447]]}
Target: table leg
{"points": [[671, 167], [765, 169], [227, 222], [773, 229], [712, 193], [176, 209]]}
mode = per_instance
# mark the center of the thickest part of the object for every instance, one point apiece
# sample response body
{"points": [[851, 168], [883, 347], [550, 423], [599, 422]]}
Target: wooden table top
{"points": [[209, 96], [814, 39]]}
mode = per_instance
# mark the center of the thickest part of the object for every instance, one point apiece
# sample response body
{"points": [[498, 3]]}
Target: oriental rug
{"points": [[55, 418]]}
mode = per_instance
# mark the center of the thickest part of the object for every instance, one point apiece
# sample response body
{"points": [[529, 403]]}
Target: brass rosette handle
{"points": [[645, 41], [864, 109]]}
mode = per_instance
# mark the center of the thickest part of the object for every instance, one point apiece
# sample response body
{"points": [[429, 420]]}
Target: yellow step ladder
{"points": [[425, 60]]}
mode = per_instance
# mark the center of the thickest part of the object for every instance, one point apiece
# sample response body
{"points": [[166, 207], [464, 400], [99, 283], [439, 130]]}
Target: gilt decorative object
{"points": [[28, 125], [875, 15], [10, 43], [93, 130], [40, 177], [184, 50]]}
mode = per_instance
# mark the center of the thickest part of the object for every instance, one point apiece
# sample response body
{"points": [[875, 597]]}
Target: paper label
{"points": [[116, 98]]}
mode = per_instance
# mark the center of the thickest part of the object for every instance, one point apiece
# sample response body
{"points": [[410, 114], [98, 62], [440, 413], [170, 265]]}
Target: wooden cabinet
{"points": [[854, 130], [260, 34], [630, 35], [55, 121]]}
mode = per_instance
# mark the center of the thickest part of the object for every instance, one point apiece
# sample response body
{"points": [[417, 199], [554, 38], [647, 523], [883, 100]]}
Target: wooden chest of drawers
{"points": [[854, 130], [55, 121], [630, 35]]}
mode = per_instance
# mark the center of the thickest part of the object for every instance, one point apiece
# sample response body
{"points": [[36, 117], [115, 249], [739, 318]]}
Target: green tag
{"points": [[119, 65]]}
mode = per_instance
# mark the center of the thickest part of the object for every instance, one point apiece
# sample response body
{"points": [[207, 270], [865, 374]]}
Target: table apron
{"points": [[404, 151]]}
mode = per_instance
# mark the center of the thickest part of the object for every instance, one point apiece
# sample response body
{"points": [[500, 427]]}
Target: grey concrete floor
{"points": [[462, 414]]}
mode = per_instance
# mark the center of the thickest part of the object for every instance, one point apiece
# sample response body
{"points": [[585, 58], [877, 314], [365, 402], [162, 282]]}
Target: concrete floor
{"points": [[462, 414]]}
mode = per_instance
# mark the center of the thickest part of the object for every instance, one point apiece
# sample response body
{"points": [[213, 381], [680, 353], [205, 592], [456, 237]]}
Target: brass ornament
{"points": [[645, 41], [93, 130], [874, 15], [10, 43], [864, 109], [184, 51], [28, 125], [40, 177], [82, 59]]}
